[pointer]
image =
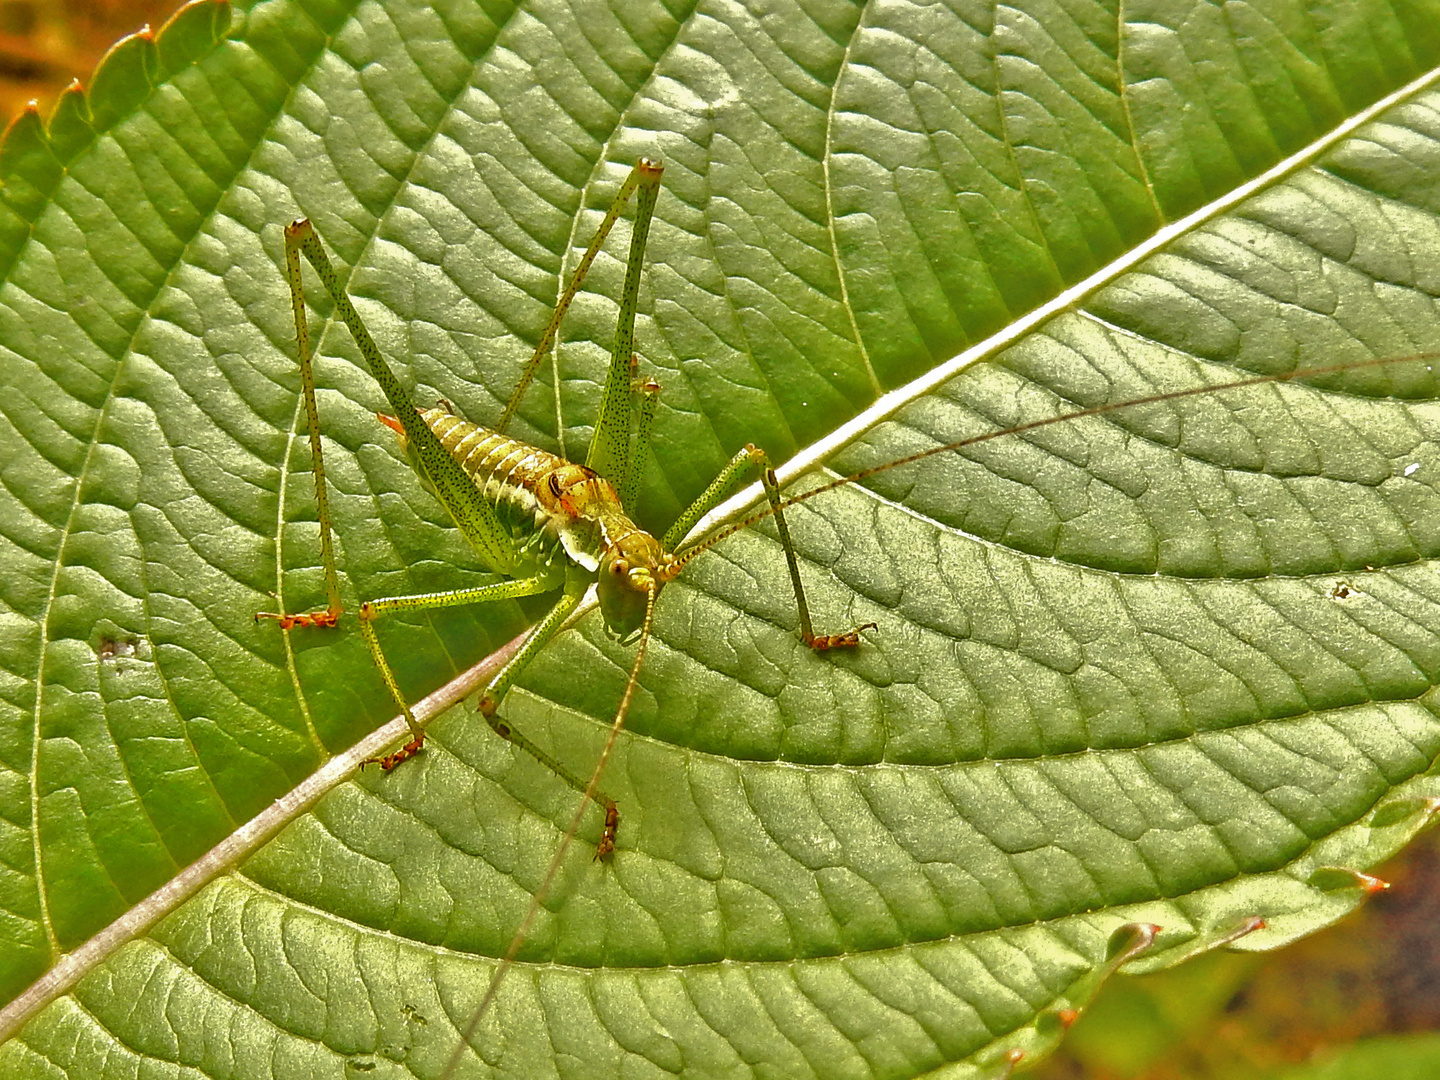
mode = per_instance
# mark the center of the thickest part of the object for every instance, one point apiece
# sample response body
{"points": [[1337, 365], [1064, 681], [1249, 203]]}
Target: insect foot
{"points": [[327, 617], [848, 640], [405, 753], [489, 703]]}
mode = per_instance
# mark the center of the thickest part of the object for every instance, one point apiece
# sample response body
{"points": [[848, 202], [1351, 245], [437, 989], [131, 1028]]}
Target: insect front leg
{"points": [[713, 495], [490, 700], [819, 642]]}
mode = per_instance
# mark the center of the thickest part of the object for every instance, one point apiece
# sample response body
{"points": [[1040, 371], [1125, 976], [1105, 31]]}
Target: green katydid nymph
{"points": [[548, 525]]}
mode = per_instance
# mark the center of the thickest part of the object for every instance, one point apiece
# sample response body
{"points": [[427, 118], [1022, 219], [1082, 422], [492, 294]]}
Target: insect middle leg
{"points": [[538, 638], [371, 610]]}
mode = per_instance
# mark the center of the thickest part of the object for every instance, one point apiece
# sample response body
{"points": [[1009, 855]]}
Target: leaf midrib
{"points": [[808, 458]]}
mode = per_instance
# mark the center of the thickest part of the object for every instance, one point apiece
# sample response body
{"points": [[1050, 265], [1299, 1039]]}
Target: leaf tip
{"points": [[1129, 941], [1340, 878]]}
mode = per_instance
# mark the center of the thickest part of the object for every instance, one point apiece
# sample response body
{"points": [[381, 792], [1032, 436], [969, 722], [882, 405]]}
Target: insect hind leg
{"points": [[330, 615], [374, 609], [644, 178]]}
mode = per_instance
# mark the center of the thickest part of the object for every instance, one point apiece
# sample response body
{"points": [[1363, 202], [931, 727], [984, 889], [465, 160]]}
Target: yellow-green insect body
{"points": [[546, 524], [564, 518]]}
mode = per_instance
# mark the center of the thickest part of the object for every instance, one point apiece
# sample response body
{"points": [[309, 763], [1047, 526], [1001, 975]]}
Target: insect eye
{"points": [[620, 567]]}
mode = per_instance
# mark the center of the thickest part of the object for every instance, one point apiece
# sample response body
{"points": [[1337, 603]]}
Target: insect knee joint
{"points": [[487, 708]]}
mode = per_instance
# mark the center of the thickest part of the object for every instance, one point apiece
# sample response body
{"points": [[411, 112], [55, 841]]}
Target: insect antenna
{"points": [[684, 556], [605, 847]]}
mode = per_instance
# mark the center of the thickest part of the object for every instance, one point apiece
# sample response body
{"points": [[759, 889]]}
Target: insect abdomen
{"points": [[504, 469], [515, 477]]}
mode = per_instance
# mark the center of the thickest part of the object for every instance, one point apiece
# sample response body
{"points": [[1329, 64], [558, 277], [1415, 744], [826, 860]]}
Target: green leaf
{"points": [[1142, 684]]}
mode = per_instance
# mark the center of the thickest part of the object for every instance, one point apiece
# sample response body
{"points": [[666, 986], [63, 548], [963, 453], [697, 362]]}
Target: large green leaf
{"points": [[1169, 666]]}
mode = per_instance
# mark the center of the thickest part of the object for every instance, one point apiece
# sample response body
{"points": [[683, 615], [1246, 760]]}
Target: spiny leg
{"points": [[473, 516], [845, 640], [713, 495], [500, 685], [629, 486], [373, 609], [490, 700], [609, 452], [646, 177]]}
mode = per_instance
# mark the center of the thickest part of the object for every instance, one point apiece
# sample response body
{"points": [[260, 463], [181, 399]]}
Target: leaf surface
{"points": [[1172, 666]]}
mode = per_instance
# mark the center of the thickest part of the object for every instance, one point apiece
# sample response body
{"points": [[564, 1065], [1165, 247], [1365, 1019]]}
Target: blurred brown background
{"points": [[1253, 1016], [1227, 1016], [46, 43]]}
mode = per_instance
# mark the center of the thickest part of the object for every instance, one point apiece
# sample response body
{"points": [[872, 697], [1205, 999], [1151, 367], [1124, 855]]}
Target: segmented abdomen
{"points": [[505, 470], [508, 472]]}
